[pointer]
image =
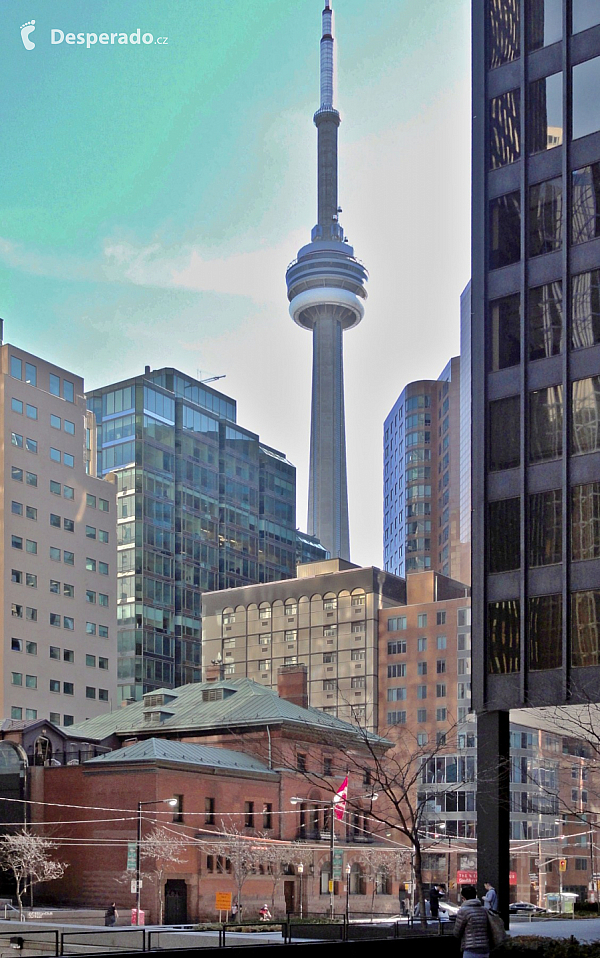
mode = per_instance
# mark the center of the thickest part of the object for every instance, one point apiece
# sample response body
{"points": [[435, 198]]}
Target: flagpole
{"points": [[331, 849]]}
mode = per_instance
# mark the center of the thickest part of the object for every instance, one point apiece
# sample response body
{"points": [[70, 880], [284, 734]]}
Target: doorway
{"points": [[175, 902]]}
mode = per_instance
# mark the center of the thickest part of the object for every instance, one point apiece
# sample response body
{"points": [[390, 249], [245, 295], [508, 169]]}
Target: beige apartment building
{"points": [[327, 618], [58, 559]]}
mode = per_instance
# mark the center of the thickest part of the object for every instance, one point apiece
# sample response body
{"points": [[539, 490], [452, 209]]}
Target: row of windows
{"points": [[544, 622], [399, 718], [399, 647], [16, 371], [32, 413], [543, 26], [57, 489], [399, 670], [29, 444], [399, 622], [399, 693], [545, 424], [17, 712], [31, 648], [545, 321], [545, 528], [356, 682]]}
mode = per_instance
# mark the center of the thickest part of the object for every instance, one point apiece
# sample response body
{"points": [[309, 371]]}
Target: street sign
{"points": [[223, 901], [338, 864], [131, 856], [533, 876], [134, 886]]}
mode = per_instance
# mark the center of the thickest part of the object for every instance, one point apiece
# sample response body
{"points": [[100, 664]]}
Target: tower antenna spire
{"points": [[327, 290]]}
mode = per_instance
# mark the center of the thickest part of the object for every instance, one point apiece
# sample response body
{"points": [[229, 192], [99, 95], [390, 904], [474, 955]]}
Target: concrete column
{"points": [[493, 805]]}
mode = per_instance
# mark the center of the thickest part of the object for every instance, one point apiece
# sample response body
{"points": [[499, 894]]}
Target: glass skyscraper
{"points": [[202, 504]]}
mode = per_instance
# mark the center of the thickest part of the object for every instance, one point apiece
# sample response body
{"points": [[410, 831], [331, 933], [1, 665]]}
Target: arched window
{"points": [[357, 880], [324, 886], [382, 883]]}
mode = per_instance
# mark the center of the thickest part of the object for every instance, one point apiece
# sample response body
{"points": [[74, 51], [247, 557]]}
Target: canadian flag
{"points": [[339, 800]]}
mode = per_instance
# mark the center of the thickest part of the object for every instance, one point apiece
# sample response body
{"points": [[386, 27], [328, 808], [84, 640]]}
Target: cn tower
{"points": [[326, 287]]}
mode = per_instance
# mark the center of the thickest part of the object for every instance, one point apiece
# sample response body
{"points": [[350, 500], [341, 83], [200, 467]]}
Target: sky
{"points": [[153, 193]]}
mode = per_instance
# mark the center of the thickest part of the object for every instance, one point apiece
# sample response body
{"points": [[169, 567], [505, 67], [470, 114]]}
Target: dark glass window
{"points": [[545, 320], [585, 628], [586, 104], [545, 423], [545, 631], [506, 331], [505, 434], [545, 528], [585, 222], [505, 230], [585, 436], [545, 217], [544, 113], [586, 13], [585, 521], [585, 308], [504, 640], [504, 535], [504, 34], [505, 126], [544, 23]]}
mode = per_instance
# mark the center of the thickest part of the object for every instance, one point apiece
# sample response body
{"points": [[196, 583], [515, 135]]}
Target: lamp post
{"points": [[301, 872], [442, 827], [138, 851], [348, 870]]}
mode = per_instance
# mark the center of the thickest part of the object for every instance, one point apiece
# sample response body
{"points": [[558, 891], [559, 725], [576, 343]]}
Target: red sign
{"points": [[470, 878]]}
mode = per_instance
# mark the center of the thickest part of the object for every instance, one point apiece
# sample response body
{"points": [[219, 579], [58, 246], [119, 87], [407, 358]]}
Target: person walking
{"points": [[434, 901], [110, 915], [490, 899], [471, 926]]}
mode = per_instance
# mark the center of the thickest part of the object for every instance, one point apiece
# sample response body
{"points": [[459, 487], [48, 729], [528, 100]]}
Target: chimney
{"points": [[146, 370], [212, 673], [292, 684]]}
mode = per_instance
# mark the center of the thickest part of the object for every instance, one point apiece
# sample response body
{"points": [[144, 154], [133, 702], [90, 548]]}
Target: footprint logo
{"points": [[26, 30]]}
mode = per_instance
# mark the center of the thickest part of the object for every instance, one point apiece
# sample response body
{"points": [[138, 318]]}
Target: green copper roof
{"points": [[181, 753], [243, 703]]}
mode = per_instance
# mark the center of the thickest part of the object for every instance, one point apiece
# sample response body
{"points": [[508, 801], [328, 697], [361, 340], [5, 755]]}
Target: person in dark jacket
{"points": [[110, 915], [434, 900], [471, 926]]}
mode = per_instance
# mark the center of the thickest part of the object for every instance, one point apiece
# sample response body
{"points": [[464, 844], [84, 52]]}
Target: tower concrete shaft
{"points": [[326, 287]]}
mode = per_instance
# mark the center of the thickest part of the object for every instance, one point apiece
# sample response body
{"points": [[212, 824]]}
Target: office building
{"points": [[326, 287], [535, 360], [202, 504], [421, 479], [309, 549], [58, 572], [326, 618]]}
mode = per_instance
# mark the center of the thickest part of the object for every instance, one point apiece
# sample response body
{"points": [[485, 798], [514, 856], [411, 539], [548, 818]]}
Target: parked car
{"points": [[525, 907]]}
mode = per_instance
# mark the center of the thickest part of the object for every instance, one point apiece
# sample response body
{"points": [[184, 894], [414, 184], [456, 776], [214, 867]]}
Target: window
{"points": [[440, 618], [545, 631], [16, 542], [31, 580], [103, 695], [16, 712], [67, 688], [327, 766], [54, 384], [267, 815], [396, 623], [54, 586], [90, 565], [421, 715], [54, 652], [441, 642], [586, 77], [31, 479], [440, 690], [69, 427], [90, 692], [440, 715], [422, 620], [358, 682], [357, 655], [90, 628], [396, 694], [356, 627], [545, 217], [55, 487], [31, 614], [103, 631], [54, 685], [69, 460], [103, 505], [545, 527], [421, 691], [545, 423], [264, 614], [264, 665], [90, 596], [55, 421], [17, 406], [503, 633], [31, 681], [16, 576], [55, 521], [55, 620], [102, 535], [31, 547], [545, 114], [16, 678], [68, 558], [505, 230], [290, 609], [209, 811], [90, 661], [103, 663], [544, 315], [68, 492], [31, 513], [397, 718], [585, 408], [422, 644], [440, 666], [357, 600], [17, 610], [31, 411], [581, 864], [102, 599], [68, 655], [421, 738], [505, 113], [103, 568], [17, 440], [16, 368], [90, 532], [397, 648], [290, 635], [301, 762], [421, 668], [16, 645], [68, 525], [329, 657], [54, 454], [396, 671], [329, 604], [68, 623], [16, 508], [504, 528], [16, 474], [68, 391], [504, 440], [90, 500]]}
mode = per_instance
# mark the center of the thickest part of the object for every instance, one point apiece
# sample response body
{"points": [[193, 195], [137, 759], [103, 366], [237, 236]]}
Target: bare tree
{"points": [[242, 855], [274, 857], [160, 849], [28, 857], [382, 864]]}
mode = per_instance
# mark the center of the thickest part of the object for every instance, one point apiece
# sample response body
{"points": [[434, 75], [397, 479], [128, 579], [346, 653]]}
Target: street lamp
{"points": [[348, 870], [138, 853], [301, 872], [442, 827]]}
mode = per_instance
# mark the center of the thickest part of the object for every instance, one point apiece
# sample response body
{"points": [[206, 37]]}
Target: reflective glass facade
{"points": [[201, 505]]}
